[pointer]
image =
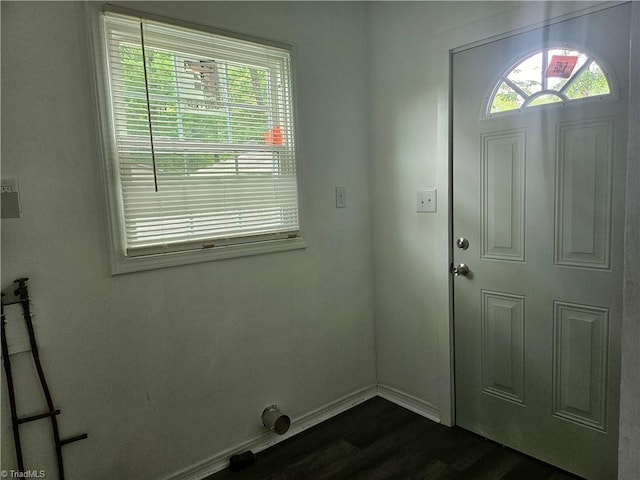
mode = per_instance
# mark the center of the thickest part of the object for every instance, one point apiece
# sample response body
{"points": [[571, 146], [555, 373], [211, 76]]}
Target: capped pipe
{"points": [[274, 420]]}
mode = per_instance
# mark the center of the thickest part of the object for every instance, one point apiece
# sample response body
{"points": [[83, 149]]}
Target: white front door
{"points": [[538, 196]]}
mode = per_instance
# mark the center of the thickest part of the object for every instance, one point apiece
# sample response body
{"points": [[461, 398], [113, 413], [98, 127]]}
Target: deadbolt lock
{"points": [[462, 243]]}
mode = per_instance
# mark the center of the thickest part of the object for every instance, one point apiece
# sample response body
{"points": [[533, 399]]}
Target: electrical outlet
{"points": [[427, 201]]}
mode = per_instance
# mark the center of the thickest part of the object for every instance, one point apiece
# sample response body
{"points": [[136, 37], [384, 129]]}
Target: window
{"points": [[555, 75], [202, 150]]}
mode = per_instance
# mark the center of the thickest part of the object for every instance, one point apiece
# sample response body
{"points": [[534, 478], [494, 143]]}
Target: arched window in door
{"points": [[553, 75]]}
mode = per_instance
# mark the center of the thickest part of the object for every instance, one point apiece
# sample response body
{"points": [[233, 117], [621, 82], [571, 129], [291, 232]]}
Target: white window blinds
{"points": [[203, 138]]}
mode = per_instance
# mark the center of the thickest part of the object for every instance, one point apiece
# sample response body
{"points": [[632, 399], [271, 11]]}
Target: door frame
{"points": [[529, 16], [629, 441]]}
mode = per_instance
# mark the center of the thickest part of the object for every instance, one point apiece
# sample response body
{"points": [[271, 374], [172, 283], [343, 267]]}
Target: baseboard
{"points": [[409, 402], [220, 461]]}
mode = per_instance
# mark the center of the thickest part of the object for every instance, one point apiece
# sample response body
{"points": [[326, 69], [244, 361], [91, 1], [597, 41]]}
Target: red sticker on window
{"points": [[273, 136], [561, 66]]}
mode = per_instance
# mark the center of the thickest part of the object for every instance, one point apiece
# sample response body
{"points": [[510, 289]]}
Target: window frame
{"points": [[120, 262], [612, 96]]}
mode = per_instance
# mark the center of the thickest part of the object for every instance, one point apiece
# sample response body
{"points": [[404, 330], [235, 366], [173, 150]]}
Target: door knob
{"points": [[462, 243], [460, 270]]}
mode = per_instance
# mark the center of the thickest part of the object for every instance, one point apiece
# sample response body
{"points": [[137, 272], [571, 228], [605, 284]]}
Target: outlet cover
{"points": [[427, 201]]}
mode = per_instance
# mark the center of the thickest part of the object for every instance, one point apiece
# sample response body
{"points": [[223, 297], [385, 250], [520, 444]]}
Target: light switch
{"points": [[341, 197]]}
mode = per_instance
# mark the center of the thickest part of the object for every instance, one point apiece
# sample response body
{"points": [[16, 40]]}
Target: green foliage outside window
{"points": [[506, 99], [237, 116], [591, 83]]}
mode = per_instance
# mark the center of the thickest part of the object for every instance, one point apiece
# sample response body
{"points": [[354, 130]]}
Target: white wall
{"points": [[411, 286], [168, 367]]}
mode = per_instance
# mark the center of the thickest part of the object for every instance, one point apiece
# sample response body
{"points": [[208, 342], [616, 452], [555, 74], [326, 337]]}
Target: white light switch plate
{"points": [[341, 197]]}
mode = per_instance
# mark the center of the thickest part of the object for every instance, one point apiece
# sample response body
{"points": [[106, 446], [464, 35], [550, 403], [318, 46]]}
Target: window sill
{"points": [[121, 264]]}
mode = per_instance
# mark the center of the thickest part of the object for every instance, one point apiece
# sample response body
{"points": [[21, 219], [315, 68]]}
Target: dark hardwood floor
{"points": [[379, 440]]}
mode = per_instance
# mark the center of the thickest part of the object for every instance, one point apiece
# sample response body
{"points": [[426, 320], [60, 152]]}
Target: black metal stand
{"points": [[23, 294]]}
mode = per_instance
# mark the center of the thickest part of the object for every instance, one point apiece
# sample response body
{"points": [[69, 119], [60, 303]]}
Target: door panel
{"points": [[580, 364], [502, 192], [539, 195], [503, 345], [583, 193]]}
